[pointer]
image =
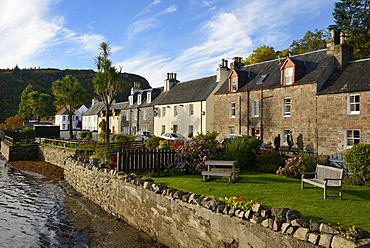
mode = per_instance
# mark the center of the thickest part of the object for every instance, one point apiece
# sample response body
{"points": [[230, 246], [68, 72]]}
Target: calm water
{"points": [[36, 213]]}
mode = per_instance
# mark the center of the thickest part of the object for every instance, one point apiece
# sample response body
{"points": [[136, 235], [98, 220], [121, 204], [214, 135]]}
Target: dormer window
{"points": [[288, 76], [149, 97], [131, 100], [139, 99], [233, 86]]}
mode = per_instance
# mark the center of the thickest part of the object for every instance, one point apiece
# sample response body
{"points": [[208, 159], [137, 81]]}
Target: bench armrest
{"points": [[333, 179], [307, 173]]}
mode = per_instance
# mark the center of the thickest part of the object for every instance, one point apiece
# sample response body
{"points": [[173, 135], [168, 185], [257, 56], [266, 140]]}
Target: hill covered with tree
{"points": [[14, 81]]}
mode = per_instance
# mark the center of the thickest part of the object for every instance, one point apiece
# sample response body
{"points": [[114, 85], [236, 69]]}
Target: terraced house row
{"points": [[322, 97]]}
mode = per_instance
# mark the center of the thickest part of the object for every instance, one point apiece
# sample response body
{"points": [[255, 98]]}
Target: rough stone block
{"points": [[313, 238], [265, 223], [284, 227], [290, 230], [248, 215], [241, 214], [266, 213], [292, 214], [277, 224], [363, 243], [341, 242], [147, 185], [279, 211], [257, 208], [325, 240], [362, 233], [325, 228], [301, 233], [256, 219], [300, 223], [314, 226]]}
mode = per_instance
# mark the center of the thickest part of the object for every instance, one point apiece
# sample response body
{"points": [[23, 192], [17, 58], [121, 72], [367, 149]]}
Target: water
{"points": [[35, 213]]}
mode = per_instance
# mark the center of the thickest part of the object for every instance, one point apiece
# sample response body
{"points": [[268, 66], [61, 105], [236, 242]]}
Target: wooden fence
{"points": [[141, 160]]}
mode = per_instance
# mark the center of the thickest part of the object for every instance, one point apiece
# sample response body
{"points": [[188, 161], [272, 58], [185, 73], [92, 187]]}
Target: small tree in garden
{"points": [[357, 160], [189, 157], [268, 161]]}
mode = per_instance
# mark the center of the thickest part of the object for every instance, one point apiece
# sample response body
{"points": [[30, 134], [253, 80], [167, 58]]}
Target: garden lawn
{"points": [[273, 190]]}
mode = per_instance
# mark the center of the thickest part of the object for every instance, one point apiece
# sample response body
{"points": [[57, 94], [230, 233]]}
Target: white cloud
{"points": [[232, 32], [170, 9]]}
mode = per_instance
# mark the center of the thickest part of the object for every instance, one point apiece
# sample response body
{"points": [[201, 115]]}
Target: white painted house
{"points": [[62, 119], [188, 108]]}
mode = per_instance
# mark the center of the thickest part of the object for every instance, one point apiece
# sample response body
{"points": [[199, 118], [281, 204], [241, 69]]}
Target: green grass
{"points": [[273, 190]]}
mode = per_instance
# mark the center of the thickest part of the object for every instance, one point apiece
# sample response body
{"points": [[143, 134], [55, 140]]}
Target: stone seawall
{"points": [[14, 153], [180, 219]]}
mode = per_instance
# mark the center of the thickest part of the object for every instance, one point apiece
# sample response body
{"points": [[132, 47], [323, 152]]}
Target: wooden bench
{"points": [[326, 177], [219, 168]]}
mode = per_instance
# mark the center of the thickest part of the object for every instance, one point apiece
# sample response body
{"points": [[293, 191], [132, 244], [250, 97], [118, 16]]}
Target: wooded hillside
{"points": [[14, 81]]}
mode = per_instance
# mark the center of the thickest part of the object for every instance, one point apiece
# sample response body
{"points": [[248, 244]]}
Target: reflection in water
{"points": [[34, 213], [37, 213]]}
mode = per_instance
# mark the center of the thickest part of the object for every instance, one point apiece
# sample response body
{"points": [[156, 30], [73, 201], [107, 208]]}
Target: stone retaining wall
{"points": [[14, 153], [180, 219]]}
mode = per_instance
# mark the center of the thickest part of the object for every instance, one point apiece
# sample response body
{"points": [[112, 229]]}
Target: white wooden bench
{"points": [[220, 168], [326, 177]]}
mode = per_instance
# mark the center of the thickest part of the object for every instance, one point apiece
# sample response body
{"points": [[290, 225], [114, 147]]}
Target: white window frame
{"points": [[139, 99], [288, 75], [353, 104], [131, 100], [149, 97], [163, 129], [191, 109], [232, 110], [163, 111], [351, 137], [287, 105], [255, 108], [175, 111], [191, 130], [233, 85]]}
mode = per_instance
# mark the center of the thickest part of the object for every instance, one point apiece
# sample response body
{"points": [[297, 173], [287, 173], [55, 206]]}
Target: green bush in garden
{"points": [[86, 134], [153, 142], [242, 149], [268, 161], [122, 138], [357, 159]]}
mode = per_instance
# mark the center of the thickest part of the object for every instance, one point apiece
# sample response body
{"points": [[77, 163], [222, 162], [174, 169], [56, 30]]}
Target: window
{"points": [[164, 111], [262, 79], [191, 109], [139, 99], [149, 99], [354, 104], [64, 117], [191, 130], [131, 100], [286, 107], [163, 129], [231, 130], [255, 108], [175, 111], [285, 136], [288, 75], [352, 137], [233, 87], [232, 109]]}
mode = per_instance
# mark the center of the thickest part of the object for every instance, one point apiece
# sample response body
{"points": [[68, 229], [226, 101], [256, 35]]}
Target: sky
{"points": [[151, 37]]}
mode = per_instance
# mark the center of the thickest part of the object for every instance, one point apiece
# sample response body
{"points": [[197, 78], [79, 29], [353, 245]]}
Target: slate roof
{"points": [[354, 78], [190, 91], [311, 67], [95, 109]]}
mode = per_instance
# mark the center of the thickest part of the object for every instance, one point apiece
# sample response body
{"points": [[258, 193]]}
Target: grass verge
{"points": [[272, 190]]}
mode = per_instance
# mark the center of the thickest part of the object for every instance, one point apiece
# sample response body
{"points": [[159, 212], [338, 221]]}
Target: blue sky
{"points": [[151, 37]]}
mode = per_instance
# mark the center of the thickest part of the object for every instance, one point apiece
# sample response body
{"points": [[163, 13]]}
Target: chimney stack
{"points": [[222, 71], [170, 81], [237, 64], [338, 46]]}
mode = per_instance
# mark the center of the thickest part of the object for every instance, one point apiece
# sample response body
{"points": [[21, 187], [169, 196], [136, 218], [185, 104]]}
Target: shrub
{"points": [[123, 138], [352, 180], [86, 134], [293, 167], [268, 161], [189, 156], [357, 160], [163, 144], [153, 142], [242, 149], [28, 133]]}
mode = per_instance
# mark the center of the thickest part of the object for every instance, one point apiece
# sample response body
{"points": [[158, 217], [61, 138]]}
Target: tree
{"points": [[260, 54], [33, 104], [106, 81], [39, 104], [353, 18], [24, 108], [14, 122], [69, 94], [311, 41]]}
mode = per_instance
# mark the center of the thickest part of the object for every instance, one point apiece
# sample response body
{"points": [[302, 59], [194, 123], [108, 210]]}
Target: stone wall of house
{"points": [[182, 219], [334, 120], [302, 120]]}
